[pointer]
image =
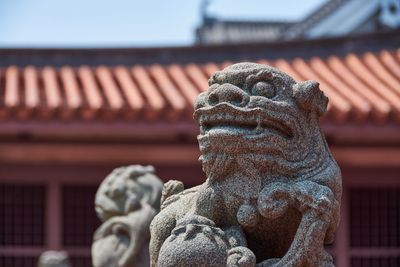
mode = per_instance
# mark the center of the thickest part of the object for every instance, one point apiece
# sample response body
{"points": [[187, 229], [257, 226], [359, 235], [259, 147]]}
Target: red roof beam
{"points": [[3, 109], [110, 90], [130, 90], [51, 90], [11, 94], [284, 66], [381, 108], [168, 89], [148, 89], [72, 94], [197, 76], [91, 92], [187, 89], [361, 107], [390, 62], [381, 72], [32, 100], [358, 68]]}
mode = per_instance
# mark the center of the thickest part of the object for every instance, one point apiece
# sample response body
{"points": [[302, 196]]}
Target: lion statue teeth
{"points": [[273, 188]]}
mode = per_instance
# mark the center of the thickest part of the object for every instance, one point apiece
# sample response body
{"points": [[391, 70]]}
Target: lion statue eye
{"points": [[263, 89]]}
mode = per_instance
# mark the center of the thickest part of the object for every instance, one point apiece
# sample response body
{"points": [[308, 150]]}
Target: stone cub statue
{"points": [[273, 188]]}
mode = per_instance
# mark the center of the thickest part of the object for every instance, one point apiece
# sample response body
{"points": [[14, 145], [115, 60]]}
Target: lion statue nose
{"points": [[228, 93]]}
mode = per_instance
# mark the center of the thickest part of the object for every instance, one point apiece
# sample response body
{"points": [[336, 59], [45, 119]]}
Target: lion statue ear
{"points": [[309, 97]]}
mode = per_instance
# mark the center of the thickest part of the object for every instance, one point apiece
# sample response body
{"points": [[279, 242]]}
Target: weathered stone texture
{"points": [[273, 189]]}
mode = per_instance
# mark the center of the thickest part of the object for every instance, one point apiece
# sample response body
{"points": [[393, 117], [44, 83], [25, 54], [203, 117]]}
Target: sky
{"points": [[127, 23]]}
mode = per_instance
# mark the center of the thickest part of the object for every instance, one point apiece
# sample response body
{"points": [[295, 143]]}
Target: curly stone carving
{"points": [[126, 202], [272, 184]]}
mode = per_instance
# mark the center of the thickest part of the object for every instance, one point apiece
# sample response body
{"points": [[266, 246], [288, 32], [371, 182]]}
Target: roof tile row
{"points": [[361, 88]]}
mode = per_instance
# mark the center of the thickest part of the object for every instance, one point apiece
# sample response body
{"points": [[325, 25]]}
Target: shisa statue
{"points": [[126, 202], [273, 190], [53, 258]]}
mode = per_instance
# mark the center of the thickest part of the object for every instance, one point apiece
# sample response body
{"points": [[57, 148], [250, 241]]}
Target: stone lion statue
{"points": [[126, 202], [272, 184]]}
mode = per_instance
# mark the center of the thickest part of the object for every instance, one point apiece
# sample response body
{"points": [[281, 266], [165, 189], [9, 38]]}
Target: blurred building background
{"points": [[69, 116], [331, 18]]}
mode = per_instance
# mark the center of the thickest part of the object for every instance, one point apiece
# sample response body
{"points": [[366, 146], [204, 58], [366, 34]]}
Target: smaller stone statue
{"points": [[54, 259], [126, 202]]}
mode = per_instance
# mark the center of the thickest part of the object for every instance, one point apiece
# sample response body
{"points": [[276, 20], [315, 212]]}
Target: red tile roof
{"points": [[361, 88]]}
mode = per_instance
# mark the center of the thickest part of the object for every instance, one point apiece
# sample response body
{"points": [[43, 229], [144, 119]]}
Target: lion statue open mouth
{"points": [[272, 184]]}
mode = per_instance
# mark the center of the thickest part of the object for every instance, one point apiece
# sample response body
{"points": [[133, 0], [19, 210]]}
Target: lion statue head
{"points": [[256, 115]]}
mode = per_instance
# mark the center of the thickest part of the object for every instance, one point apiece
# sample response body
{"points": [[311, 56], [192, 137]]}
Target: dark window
{"points": [[22, 215], [376, 262], [375, 217], [79, 218], [81, 261], [9, 261]]}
